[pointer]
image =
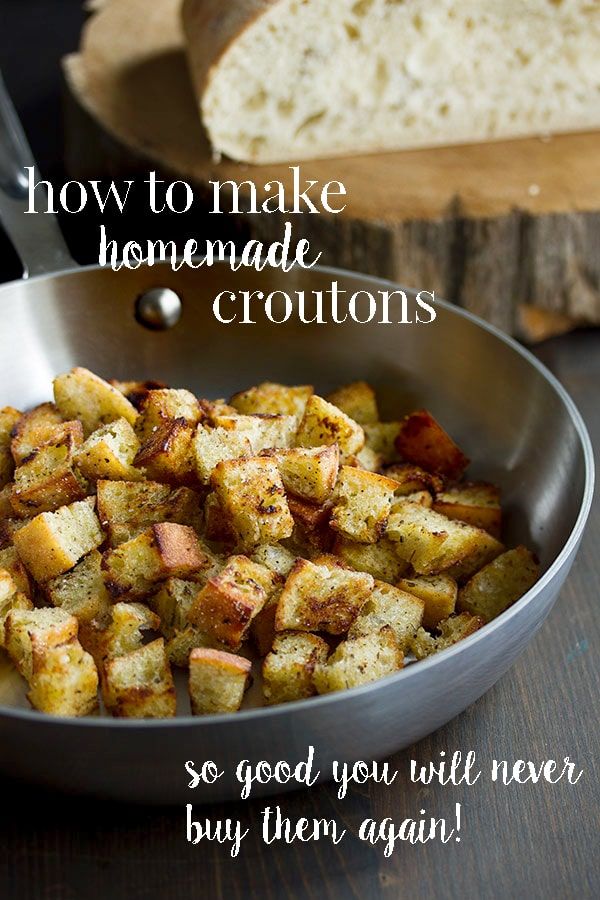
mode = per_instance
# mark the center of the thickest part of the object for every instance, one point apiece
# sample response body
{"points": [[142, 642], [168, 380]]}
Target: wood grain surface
{"points": [[526, 841], [498, 228]]}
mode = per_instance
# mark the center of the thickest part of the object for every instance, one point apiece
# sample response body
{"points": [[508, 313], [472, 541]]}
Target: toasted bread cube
{"points": [[226, 605], [109, 453], [217, 681], [275, 557], [360, 660], [34, 428], [263, 431], [81, 592], [270, 398], [126, 508], [54, 542], [288, 669], [380, 438], [48, 626], [11, 563], [380, 560], [309, 472], [162, 551], [214, 445], [118, 631], [79, 394], [166, 405], [9, 416], [423, 441], [362, 504], [483, 549], [366, 459], [476, 504], [324, 424], [253, 500], [358, 401], [46, 480], [172, 602], [412, 479], [64, 680], [136, 391], [168, 453], [181, 644], [10, 598], [438, 593], [217, 527], [421, 498], [140, 684], [431, 543], [321, 598], [450, 631], [262, 627], [388, 605], [501, 583]]}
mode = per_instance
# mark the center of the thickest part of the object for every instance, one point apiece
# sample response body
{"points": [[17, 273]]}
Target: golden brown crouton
{"points": [[311, 524], [226, 605], [33, 429], [412, 479], [118, 632], [140, 685], [359, 661], [64, 680], [136, 391], [499, 584], [11, 562], [167, 454], [172, 602], [253, 500], [262, 431], [324, 424], [109, 453], [181, 644], [9, 416], [262, 627], [423, 441], [362, 502], [48, 626], [47, 480], [162, 551], [450, 631], [380, 438], [288, 669], [81, 592], [79, 394], [217, 527], [166, 405], [214, 445], [273, 399], [126, 508], [431, 543], [53, 542], [309, 472], [388, 605], [275, 557], [380, 560], [358, 401], [438, 593], [217, 681], [477, 503], [10, 598], [321, 598]]}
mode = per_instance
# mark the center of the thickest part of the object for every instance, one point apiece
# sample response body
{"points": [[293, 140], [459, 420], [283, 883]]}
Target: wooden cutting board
{"points": [[508, 230]]}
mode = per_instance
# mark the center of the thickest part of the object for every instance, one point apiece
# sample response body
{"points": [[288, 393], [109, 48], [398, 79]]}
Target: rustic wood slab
{"points": [[508, 230]]}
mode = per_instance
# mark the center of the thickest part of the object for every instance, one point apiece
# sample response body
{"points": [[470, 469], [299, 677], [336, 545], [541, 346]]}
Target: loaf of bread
{"points": [[279, 80]]}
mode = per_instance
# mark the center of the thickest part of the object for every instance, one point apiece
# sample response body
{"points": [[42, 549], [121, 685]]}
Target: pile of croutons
{"points": [[142, 528]]}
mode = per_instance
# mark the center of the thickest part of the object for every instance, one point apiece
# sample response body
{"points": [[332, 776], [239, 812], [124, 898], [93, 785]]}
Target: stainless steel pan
{"points": [[510, 413]]}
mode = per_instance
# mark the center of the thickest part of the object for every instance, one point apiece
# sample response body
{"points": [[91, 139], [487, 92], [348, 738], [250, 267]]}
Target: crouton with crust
{"points": [[424, 442], [388, 605], [79, 394], [47, 480], [360, 660], [119, 631], [49, 627], [34, 428], [126, 508], [139, 685], [412, 479], [53, 542], [214, 445], [362, 503], [501, 583], [321, 598], [64, 679], [449, 632], [380, 559], [81, 591], [217, 681], [358, 401], [166, 405], [288, 669], [309, 472], [167, 454], [476, 503], [10, 598], [109, 453], [273, 399], [438, 593], [251, 494], [162, 551]]}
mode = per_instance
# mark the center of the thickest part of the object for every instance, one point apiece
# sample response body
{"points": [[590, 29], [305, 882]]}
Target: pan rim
{"points": [[429, 664]]}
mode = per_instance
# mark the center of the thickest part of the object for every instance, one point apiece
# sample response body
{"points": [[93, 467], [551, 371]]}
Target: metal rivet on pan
{"points": [[158, 309]]}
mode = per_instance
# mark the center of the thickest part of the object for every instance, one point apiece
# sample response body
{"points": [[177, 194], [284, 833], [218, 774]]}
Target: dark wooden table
{"points": [[534, 841]]}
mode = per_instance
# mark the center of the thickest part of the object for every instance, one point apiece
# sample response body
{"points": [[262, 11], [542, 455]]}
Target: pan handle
{"points": [[37, 238]]}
